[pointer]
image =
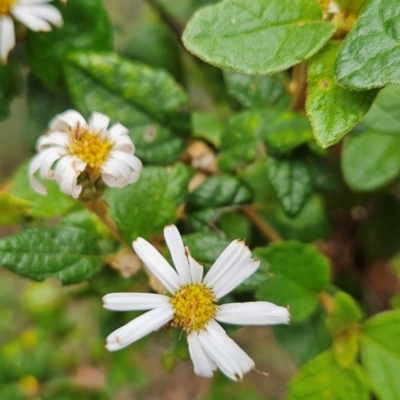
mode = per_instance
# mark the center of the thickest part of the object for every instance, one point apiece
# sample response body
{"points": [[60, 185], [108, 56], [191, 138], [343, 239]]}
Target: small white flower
{"points": [[79, 147], [333, 7], [192, 306], [34, 14]]}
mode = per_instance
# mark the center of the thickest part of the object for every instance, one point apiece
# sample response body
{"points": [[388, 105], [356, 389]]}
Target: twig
{"points": [[265, 228]]}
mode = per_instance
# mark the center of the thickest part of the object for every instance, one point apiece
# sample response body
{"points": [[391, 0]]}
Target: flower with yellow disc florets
{"points": [[193, 307], [77, 154], [36, 15]]}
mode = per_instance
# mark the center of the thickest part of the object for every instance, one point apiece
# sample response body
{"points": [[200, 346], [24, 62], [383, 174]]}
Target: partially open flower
{"points": [[72, 149], [193, 307], [34, 14]]}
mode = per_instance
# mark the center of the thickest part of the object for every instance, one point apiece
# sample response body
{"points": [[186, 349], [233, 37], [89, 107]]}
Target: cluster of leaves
{"points": [[234, 151]]}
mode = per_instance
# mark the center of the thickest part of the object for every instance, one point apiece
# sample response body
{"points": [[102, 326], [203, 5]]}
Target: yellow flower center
{"points": [[90, 149], [194, 305], [5, 6]]}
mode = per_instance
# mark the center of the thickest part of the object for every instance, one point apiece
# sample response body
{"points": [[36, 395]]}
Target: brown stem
{"points": [[298, 87], [326, 301], [99, 208], [265, 228]]}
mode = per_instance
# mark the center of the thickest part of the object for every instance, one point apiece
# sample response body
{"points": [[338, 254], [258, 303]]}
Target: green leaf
{"points": [[178, 177], [292, 181], [380, 352], [43, 105], [322, 378], [219, 191], [13, 209], [10, 86], [144, 208], [370, 54], [240, 139], [284, 131], [52, 204], [69, 254], [344, 315], [306, 340], [289, 263], [86, 27], [384, 115], [235, 225], [257, 37], [332, 109], [204, 220], [254, 91], [343, 325], [310, 224], [205, 247], [370, 160], [126, 91], [207, 127]]}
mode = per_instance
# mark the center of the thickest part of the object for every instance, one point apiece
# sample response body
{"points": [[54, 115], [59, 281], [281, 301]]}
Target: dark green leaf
{"points": [[219, 191], [370, 160], [322, 378], [310, 224], [254, 91], [289, 263], [54, 203], [292, 181], [204, 220], [86, 27], [68, 254], [333, 110], [384, 115], [235, 226], [257, 37], [205, 247], [370, 54], [178, 177], [240, 139], [144, 208], [126, 91], [10, 86], [380, 351], [306, 340], [207, 127], [284, 131]]}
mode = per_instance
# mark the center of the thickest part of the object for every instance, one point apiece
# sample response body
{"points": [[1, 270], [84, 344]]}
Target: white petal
{"points": [[203, 365], [253, 313], [234, 277], [67, 119], [27, 2], [134, 301], [55, 138], [234, 254], [196, 270], [23, 14], [139, 327], [116, 131], [66, 175], [7, 37], [46, 12], [117, 159], [229, 357], [53, 156], [34, 166], [116, 168], [124, 143], [157, 265], [333, 7], [114, 181], [98, 122], [177, 250]]}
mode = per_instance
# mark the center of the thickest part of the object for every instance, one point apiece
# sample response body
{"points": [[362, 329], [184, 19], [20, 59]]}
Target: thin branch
{"points": [[265, 228]]}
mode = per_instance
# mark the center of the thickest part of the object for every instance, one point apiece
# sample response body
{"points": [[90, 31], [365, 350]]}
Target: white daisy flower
{"points": [[78, 147], [34, 14], [192, 305]]}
